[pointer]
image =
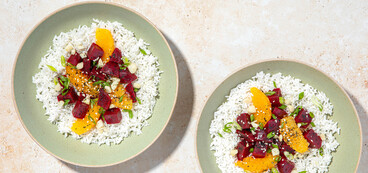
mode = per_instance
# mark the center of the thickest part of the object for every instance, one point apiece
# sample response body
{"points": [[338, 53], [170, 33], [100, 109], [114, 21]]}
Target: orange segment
{"points": [[105, 40], [257, 164], [292, 135], [80, 81], [126, 102], [263, 106], [81, 126]]}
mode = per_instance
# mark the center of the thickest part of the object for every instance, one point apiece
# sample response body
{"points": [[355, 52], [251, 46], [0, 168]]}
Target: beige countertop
{"points": [[210, 40]]}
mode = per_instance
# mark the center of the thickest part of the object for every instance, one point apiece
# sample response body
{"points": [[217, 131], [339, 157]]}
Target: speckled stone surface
{"points": [[210, 40]]}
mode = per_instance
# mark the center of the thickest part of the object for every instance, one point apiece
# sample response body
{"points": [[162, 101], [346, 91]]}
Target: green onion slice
{"points": [[142, 51], [320, 151], [62, 60], [91, 119], [303, 172], [282, 107], [261, 126], [270, 135], [301, 95], [274, 116], [66, 102], [312, 124], [281, 100], [220, 135], [251, 150], [139, 100], [311, 114], [130, 113], [251, 117], [275, 146], [274, 84], [270, 93], [274, 170], [316, 102], [52, 68], [237, 126], [282, 124], [227, 127], [121, 98]]}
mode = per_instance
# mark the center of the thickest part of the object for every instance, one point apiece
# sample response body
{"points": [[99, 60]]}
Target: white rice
{"points": [[81, 38], [290, 88]]}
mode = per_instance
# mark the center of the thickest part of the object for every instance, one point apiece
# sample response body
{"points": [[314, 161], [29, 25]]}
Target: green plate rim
{"points": [[286, 60], [83, 3]]}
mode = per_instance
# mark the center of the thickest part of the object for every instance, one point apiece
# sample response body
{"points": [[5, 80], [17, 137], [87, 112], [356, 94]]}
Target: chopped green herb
{"points": [[303, 172], [311, 114], [237, 126], [270, 93], [91, 119], [126, 61], [320, 151], [282, 124], [93, 101], [64, 91], [139, 100], [121, 98], [281, 100], [277, 159], [103, 117], [261, 126], [274, 170], [274, 84], [63, 60], [251, 117], [251, 150], [103, 84], [282, 107], [123, 67], [312, 124], [227, 127], [130, 113], [101, 111], [301, 95], [270, 135], [303, 124], [274, 116], [220, 135], [98, 82], [52, 68], [55, 81], [65, 81], [142, 51], [66, 102], [275, 146]]}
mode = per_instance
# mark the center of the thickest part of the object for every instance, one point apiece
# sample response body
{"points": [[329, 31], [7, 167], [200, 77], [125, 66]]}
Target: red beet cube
{"points": [[112, 116], [285, 166], [111, 68], [243, 150], [243, 120], [98, 74], [80, 110], [87, 65], [129, 88], [312, 137], [116, 56], [272, 126], [277, 92], [74, 59], [285, 147], [275, 100], [71, 95], [126, 77], [104, 99], [246, 135], [303, 117], [279, 113], [94, 52], [261, 136], [260, 150]]}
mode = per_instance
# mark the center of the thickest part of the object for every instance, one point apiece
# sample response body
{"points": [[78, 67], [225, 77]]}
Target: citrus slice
{"points": [[80, 81], [292, 135], [263, 106], [105, 40], [257, 165]]}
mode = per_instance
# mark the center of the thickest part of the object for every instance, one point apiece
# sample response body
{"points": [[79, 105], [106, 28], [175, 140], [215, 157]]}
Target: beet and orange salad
{"points": [[269, 136], [100, 83]]}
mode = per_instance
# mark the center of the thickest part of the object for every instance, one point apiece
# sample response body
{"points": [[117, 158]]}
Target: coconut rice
{"points": [[235, 104], [80, 38]]}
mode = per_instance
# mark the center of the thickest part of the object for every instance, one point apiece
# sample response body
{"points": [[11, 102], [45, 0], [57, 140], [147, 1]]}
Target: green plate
{"points": [[30, 110], [346, 158]]}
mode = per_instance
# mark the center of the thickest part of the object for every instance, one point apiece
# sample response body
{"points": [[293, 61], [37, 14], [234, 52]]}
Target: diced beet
{"points": [[87, 65], [116, 56], [243, 150], [129, 88], [272, 126], [275, 100], [285, 166], [104, 99], [243, 120], [246, 135], [312, 137], [260, 150], [261, 136], [74, 59], [98, 74], [277, 92], [126, 77], [112, 116], [285, 147], [71, 95], [279, 113], [111, 68], [80, 110], [94, 52], [303, 117]]}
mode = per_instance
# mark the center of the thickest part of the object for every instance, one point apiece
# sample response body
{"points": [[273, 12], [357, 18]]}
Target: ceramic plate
{"points": [[30, 110], [346, 158]]}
